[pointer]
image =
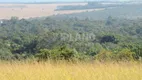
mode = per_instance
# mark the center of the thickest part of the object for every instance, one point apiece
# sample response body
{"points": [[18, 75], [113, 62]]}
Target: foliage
{"points": [[84, 39], [55, 54], [5, 54], [125, 55], [104, 55]]}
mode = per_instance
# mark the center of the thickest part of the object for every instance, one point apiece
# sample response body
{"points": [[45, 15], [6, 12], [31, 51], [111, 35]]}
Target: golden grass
{"points": [[70, 71]]}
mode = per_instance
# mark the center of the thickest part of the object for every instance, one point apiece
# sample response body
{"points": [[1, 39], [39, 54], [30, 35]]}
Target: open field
{"points": [[70, 71], [34, 10]]}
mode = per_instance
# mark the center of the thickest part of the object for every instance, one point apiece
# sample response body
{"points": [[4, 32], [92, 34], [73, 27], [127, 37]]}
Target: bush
{"points": [[104, 55], [56, 54], [125, 55], [122, 55], [44, 54], [5, 54]]}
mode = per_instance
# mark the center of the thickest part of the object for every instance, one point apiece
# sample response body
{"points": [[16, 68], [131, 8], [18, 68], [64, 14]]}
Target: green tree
{"points": [[55, 54]]}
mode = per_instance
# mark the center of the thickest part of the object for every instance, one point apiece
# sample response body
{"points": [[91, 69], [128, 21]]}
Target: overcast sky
{"points": [[54, 0]]}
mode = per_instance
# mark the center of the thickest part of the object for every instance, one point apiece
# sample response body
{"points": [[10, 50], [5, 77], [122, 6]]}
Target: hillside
{"points": [[128, 11]]}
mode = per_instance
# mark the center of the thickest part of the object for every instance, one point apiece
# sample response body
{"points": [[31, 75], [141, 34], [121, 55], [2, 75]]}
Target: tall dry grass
{"points": [[70, 71]]}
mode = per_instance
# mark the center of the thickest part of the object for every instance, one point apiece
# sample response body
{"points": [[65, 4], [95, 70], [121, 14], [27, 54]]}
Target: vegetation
{"points": [[90, 5], [123, 11], [65, 71], [63, 47], [61, 53], [70, 39]]}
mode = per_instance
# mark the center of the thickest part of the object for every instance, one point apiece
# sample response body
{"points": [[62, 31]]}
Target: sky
{"points": [[54, 0]]}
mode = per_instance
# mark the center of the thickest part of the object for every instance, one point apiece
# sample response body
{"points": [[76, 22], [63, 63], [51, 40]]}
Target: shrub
{"points": [[104, 55], [5, 54], [125, 55], [56, 54], [44, 54]]}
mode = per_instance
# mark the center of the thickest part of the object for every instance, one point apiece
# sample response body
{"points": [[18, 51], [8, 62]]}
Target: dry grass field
{"points": [[70, 71], [34, 10]]}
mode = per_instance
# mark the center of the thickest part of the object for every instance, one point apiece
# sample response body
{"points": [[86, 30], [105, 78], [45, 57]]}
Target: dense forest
{"points": [[71, 39]]}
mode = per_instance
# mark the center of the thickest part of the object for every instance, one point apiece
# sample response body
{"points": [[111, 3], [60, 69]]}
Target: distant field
{"points": [[70, 71], [34, 10]]}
